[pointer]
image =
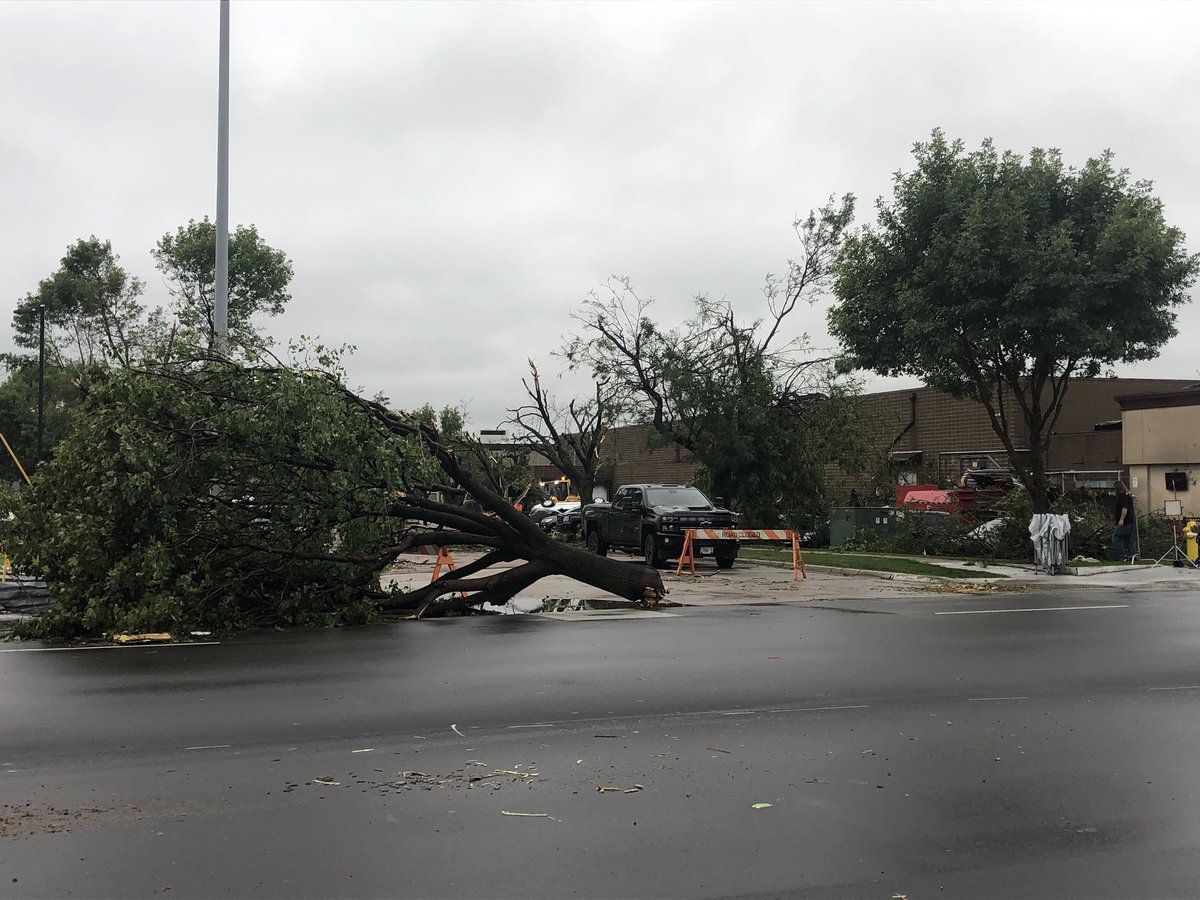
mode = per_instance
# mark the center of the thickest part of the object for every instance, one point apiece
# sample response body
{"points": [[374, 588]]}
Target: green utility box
{"points": [[845, 521]]}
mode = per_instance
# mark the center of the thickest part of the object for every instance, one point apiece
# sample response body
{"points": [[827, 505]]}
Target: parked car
{"points": [[559, 517], [652, 519]]}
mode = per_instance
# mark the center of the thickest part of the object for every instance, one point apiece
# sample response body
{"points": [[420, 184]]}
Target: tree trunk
{"points": [[631, 581]]}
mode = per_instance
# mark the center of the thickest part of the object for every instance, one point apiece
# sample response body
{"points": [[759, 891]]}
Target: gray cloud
{"points": [[451, 179]]}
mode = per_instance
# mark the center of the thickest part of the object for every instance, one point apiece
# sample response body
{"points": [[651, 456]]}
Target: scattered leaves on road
{"points": [[966, 587], [761, 806], [28, 819]]}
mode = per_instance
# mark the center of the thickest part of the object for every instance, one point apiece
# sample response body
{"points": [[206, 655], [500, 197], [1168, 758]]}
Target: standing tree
{"points": [[92, 309], [92, 321], [258, 280], [1000, 278], [571, 438], [757, 410], [19, 411]]}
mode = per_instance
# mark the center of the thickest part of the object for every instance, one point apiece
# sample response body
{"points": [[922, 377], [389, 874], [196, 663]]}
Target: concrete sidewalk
{"points": [[1120, 576]]}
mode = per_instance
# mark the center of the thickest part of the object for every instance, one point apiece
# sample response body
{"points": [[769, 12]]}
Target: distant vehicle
{"points": [[565, 521], [652, 519], [560, 510]]}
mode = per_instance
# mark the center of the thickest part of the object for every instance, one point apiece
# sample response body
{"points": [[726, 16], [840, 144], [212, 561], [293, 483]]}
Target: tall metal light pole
{"points": [[221, 288], [41, 418]]}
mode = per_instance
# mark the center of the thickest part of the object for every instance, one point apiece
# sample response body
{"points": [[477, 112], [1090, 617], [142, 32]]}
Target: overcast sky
{"points": [[451, 179]]}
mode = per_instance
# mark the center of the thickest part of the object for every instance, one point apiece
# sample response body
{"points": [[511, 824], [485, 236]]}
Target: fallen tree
{"points": [[510, 532], [207, 494]]}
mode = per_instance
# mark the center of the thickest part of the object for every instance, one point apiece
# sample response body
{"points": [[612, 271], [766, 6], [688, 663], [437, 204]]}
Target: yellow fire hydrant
{"points": [[1190, 531]]}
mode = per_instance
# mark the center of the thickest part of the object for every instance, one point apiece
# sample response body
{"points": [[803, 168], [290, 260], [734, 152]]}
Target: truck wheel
{"points": [[725, 562], [595, 545], [650, 551]]}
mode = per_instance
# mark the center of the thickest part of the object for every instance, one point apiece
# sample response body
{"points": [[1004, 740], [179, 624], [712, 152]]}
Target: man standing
{"points": [[1123, 533]]}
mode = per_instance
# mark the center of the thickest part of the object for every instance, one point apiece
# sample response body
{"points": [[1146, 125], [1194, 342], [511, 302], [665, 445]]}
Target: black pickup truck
{"points": [[652, 518]]}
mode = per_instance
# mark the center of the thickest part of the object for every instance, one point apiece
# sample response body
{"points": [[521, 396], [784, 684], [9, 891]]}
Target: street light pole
{"points": [[221, 288], [41, 419]]}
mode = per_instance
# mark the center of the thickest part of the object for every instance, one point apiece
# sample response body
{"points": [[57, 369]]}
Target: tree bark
{"points": [[634, 582]]}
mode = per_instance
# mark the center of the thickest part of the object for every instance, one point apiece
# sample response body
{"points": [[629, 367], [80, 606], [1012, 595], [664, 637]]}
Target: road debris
{"points": [[326, 780], [364, 750], [459, 778], [454, 728], [604, 789], [966, 587], [718, 750], [156, 637], [23, 820], [521, 815], [761, 806]]}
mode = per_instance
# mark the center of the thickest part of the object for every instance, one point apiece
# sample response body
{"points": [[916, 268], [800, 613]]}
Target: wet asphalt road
{"points": [[903, 750]]}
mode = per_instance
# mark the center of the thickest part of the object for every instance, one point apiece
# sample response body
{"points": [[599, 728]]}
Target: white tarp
{"points": [[1049, 535]]}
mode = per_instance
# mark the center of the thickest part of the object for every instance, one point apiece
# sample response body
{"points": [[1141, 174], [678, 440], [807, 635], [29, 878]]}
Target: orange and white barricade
{"points": [[443, 559], [688, 555]]}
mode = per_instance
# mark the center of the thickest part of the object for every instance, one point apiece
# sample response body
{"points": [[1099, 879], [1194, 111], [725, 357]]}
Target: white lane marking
{"points": [[767, 712], [106, 647], [979, 612], [1182, 687], [547, 725], [209, 747], [990, 699]]}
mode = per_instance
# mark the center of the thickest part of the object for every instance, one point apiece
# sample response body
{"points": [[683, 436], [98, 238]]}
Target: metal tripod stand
{"points": [[1178, 557]]}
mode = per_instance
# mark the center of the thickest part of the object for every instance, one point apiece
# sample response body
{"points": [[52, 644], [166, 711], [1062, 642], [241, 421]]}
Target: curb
{"points": [[875, 573]]}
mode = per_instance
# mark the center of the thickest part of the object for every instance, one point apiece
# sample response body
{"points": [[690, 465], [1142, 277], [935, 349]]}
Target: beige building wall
{"points": [[1156, 441]]}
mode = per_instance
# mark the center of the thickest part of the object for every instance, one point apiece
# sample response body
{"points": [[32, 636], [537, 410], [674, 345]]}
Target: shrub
{"points": [[921, 534]]}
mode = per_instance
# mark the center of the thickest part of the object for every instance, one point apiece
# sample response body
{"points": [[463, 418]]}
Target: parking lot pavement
{"points": [[758, 582], [746, 582]]}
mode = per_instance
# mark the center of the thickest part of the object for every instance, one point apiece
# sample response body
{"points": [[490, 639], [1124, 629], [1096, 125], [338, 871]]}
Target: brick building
{"points": [[925, 436], [919, 435], [633, 457]]}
